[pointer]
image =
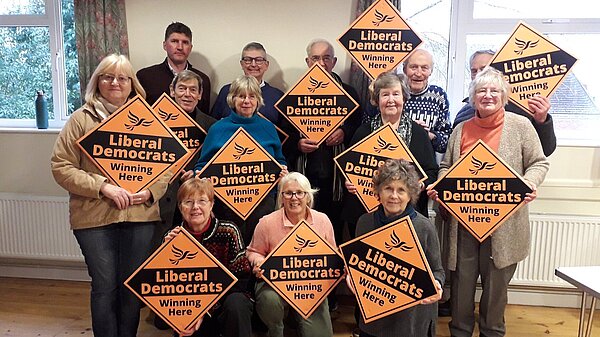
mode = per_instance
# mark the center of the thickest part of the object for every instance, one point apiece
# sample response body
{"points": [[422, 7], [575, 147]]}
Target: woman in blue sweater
{"points": [[244, 99]]}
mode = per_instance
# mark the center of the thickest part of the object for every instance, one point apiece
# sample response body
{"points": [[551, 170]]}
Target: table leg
{"points": [[588, 330], [582, 314]]}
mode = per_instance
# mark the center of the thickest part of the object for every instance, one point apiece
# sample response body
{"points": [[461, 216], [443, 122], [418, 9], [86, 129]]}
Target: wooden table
{"points": [[586, 279]]}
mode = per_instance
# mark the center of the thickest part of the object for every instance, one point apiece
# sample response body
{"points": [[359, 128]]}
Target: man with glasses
{"points": [[254, 63], [539, 116], [157, 78]]}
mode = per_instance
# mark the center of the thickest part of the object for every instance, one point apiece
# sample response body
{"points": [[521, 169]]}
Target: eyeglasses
{"points": [[289, 195], [484, 91], [325, 58], [258, 60], [108, 78], [250, 97], [191, 203]]}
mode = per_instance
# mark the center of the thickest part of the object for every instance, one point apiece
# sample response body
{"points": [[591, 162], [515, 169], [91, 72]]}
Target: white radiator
{"points": [[36, 228], [558, 241]]}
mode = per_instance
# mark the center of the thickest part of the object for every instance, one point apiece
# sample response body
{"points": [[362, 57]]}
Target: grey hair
{"points": [[480, 52], [387, 80], [489, 76], [316, 41], [304, 185], [398, 169], [186, 75], [245, 84], [417, 51]]}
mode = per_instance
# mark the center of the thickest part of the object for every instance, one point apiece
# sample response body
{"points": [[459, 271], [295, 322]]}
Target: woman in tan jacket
{"points": [[112, 226], [495, 259]]}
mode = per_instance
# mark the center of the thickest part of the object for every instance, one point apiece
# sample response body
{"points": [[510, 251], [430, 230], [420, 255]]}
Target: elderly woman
{"points": [[244, 99], [389, 93], [294, 200], [232, 315], [396, 186], [112, 226], [514, 139]]}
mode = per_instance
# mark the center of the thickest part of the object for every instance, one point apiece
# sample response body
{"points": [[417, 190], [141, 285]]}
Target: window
{"points": [[37, 52], [486, 24]]}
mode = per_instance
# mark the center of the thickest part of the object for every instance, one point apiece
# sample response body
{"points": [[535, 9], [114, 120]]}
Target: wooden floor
{"points": [[44, 308]]}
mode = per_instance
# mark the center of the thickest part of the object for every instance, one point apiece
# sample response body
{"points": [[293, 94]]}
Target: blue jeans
{"points": [[112, 253]]}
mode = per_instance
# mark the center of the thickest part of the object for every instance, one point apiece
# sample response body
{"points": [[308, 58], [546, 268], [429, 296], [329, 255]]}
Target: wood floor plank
{"points": [[49, 308]]}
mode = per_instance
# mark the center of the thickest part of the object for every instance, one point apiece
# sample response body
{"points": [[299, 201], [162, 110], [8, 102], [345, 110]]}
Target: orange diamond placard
{"points": [[242, 173], [303, 269], [359, 162], [379, 39], [316, 105], [531, 64], [181, 281], [388, 270], [481, 191], [133, 147], [183, 126]]}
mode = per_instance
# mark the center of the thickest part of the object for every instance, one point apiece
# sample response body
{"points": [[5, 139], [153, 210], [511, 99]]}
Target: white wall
{"points": [[222, 28]]}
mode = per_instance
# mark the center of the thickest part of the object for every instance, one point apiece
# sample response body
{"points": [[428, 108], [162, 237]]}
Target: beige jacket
{"points": [[77, 174], [521, 149]]}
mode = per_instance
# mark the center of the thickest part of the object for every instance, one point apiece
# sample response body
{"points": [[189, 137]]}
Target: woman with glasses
{"points": [[112, 226], [495, 259], [231, 316], [294, 200], [244, 99]]}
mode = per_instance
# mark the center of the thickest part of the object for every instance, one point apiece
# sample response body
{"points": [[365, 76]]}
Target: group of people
{"points": [[116, 229]]}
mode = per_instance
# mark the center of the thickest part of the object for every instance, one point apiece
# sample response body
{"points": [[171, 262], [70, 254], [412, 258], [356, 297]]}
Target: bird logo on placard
{"points": [[523, 45], [167, 116], [241, 151], [136, 121], [181, 255], [381, 18], [383, 145], [397, 243], [316, 84], [303, 243], [480, 166]]}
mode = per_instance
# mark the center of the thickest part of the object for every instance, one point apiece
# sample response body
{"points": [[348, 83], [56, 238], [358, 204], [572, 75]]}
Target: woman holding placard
{"points": [[112, 226], [389, 92], [495, 259], [231, 317], [244, 99], [294, 200], [397, 188]]}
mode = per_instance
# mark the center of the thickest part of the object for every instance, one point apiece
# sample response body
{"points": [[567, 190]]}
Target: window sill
{"points": [[29, 130]]}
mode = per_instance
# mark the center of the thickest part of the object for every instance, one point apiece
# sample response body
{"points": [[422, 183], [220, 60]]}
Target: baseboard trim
{"points": [[42, 269]]}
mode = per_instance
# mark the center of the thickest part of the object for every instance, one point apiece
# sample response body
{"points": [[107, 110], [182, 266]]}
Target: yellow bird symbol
{"points": [[522, 45], [241, 151], [303, 243], [315, 84], [136, 121], [381, 18], [167, 116], [397, 243], [383, 145], [181, 255], [480, 166]]}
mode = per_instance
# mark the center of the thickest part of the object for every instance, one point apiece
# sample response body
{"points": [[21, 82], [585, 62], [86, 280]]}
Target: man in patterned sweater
{"points": [[428, 104]]}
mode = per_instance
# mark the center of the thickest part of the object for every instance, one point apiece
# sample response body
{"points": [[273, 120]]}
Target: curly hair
{"points": [[398, 169]]}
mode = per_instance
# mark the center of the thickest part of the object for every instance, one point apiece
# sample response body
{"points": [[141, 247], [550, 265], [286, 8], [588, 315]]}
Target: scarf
{"points": [[381, 219], [404, 127]]}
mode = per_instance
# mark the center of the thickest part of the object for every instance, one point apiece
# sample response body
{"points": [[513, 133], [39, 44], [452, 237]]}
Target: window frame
{"points": [[462, 12], [52, 18]]}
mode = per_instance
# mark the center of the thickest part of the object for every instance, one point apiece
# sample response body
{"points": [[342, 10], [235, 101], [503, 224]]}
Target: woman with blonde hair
{"points": [[112, 226]]}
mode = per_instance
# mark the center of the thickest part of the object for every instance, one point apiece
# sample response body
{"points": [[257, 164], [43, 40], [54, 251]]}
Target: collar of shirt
{"points": [[187, 65]]}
